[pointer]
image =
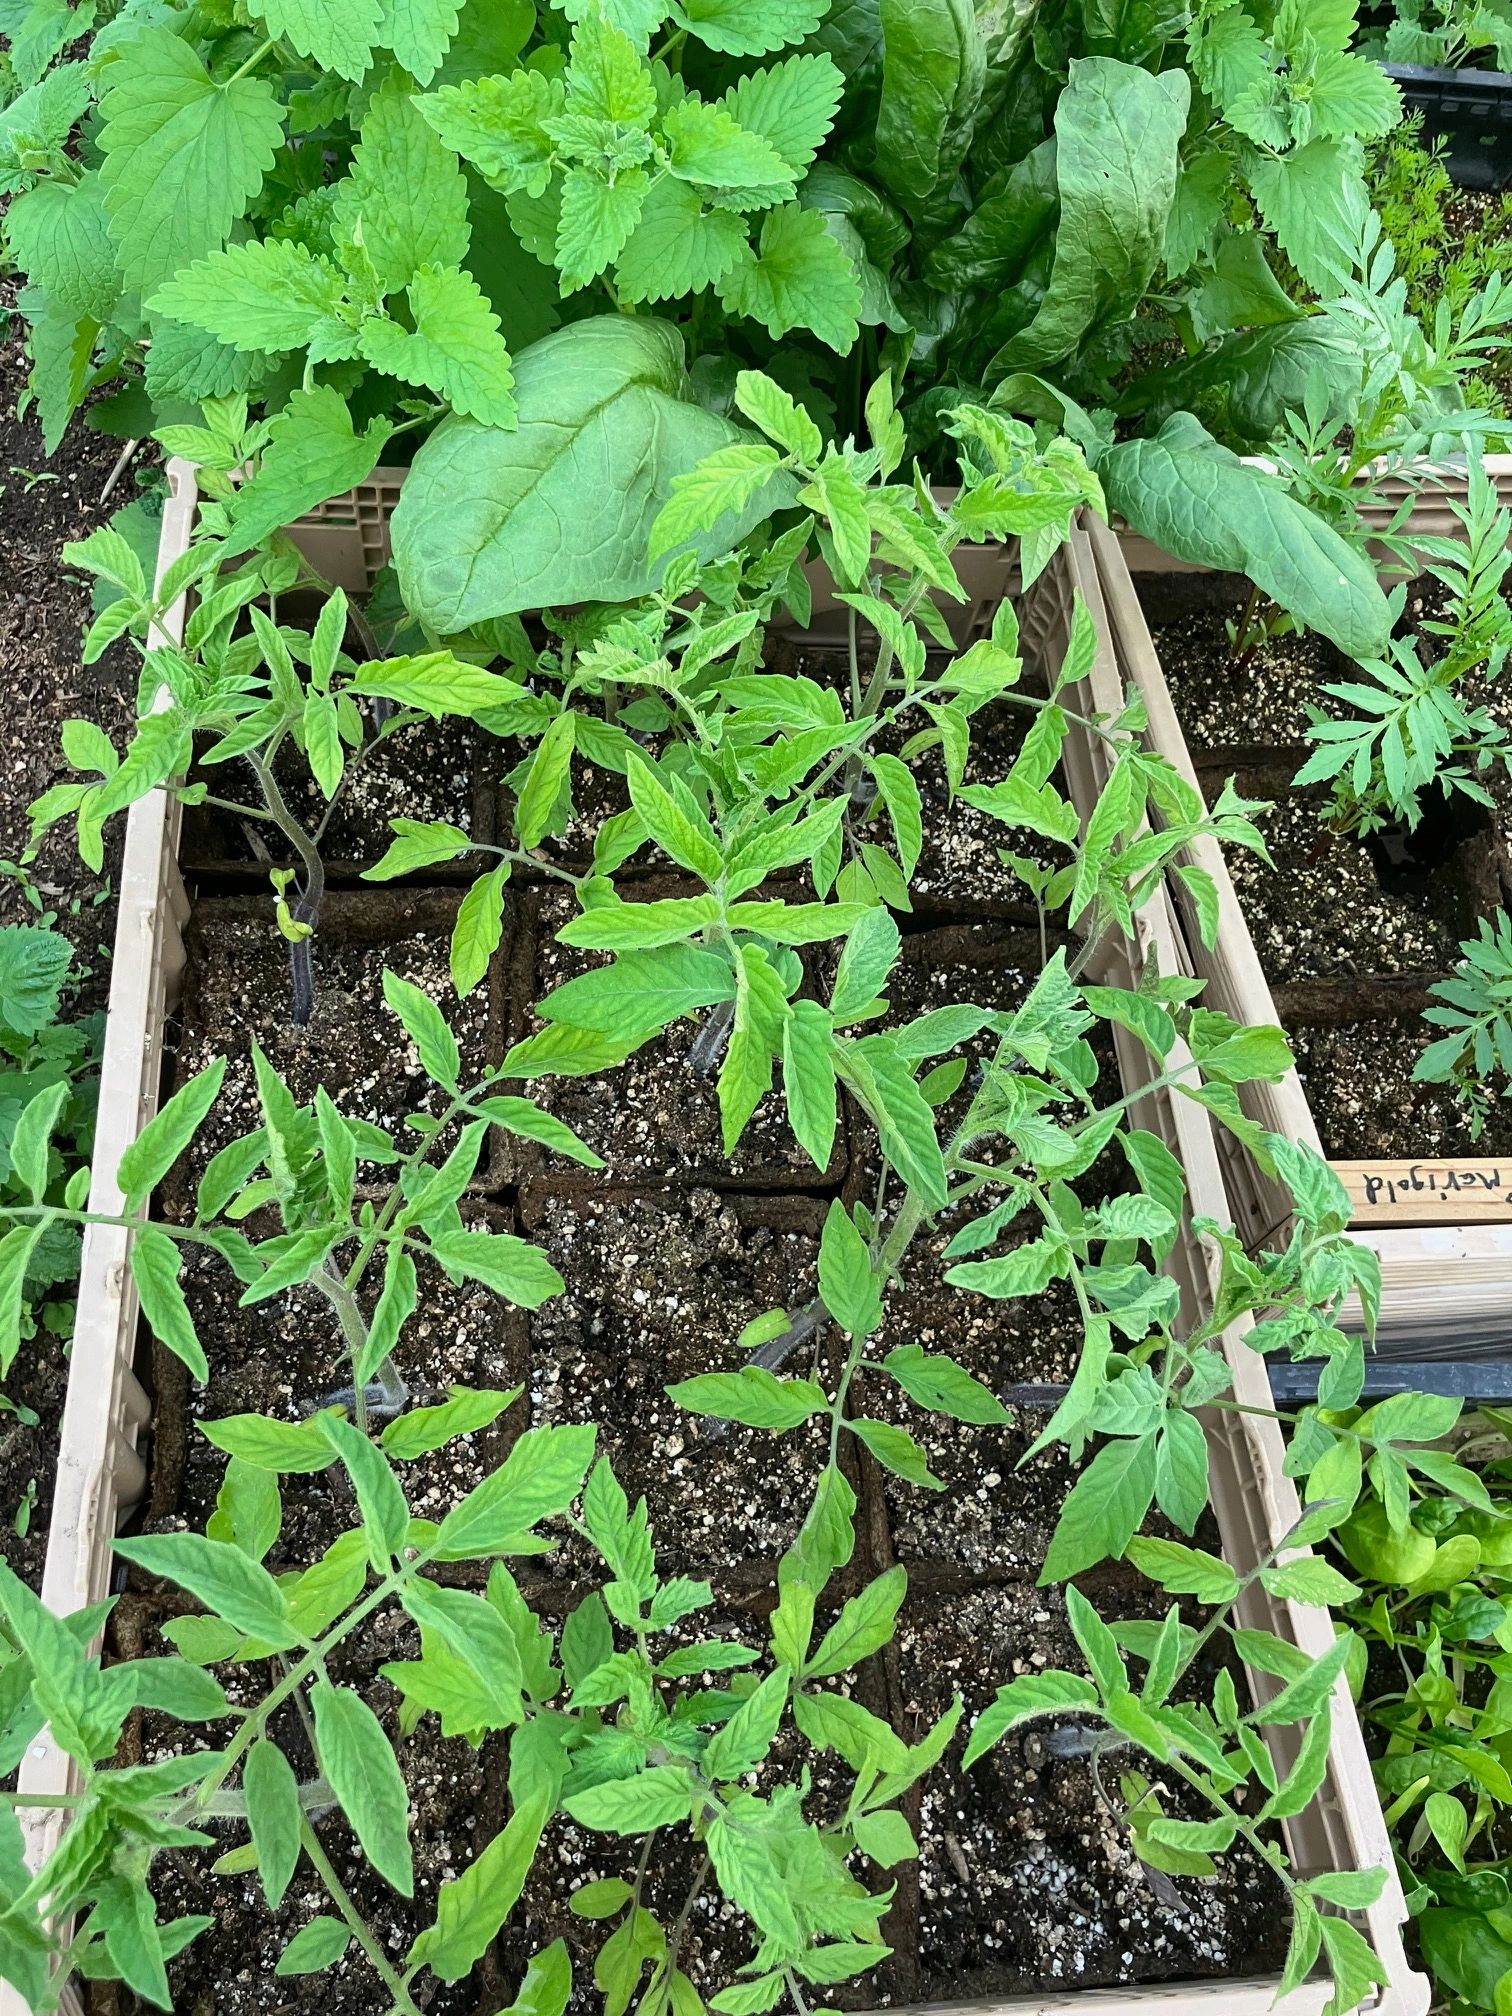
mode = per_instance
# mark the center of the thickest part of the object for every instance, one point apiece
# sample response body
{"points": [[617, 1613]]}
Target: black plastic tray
{"points": [[1471, 112]]}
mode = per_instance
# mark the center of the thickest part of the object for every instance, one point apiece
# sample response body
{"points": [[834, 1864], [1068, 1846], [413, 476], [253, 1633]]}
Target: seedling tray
{"points": [[347, 538], [102, 1476], [1443, 1228], [1471, 112]]}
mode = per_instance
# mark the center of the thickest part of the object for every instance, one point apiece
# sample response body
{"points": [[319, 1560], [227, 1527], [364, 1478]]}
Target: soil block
{"points": [[989, 965], [1357, 1075], [1029, 1340], [237, 992], [431, 770], [1026, 1878], [658, 1289], [284, 1358], [457, 1805], [1230, 712], [655, 1120], [1335, 907], [960, 872], [717, 1941], [1351, 931]]}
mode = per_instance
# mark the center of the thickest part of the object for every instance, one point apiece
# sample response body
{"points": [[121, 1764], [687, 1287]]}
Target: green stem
{"points": [[241, 811], [356, 1924], [289, 826], [251, 63]]}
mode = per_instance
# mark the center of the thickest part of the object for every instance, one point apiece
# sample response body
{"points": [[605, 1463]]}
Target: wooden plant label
{"points": [[1474, 1190]]}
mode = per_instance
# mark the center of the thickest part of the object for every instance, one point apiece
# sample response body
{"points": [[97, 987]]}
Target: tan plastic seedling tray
{"points": [[101, 1475], [347, 538], [1443, 1229], [1431, 517]]}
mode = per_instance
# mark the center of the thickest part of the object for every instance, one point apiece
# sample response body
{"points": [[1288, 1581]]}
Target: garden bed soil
{"points": [[432, 770], [237, 992], [658, 1290], [1351, 931], [655, 1120], [44, 610], [1026, 1880]]}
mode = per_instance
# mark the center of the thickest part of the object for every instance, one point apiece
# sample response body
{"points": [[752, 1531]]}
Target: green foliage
{"points": [[393, 210], [243, 688], [647, 490], [624, 1741], [48, 1089], [1443, 34], [1438, 257], [1416, 727], [1425, 1541], [1474, 1007]]}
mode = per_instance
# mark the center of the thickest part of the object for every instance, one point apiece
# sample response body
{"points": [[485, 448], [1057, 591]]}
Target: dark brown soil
{"points": [[1037, 1339], [1332, 908], [44, 609], [655, 1120], [1358, 1080], [658, 1290], [1352, 932], [432, 770], [1222, 708], [1026, 1879], [960, 870], [285, 1357], [238, 993]]}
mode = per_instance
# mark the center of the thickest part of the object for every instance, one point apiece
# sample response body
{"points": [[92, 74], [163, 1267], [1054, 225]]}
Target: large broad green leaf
{"points": [[560, 510], [1135, 30], [184, 155], [59, 238], [1015, 211], [1117, 132], [1198, 501], [1250, 381], [934, 65]]}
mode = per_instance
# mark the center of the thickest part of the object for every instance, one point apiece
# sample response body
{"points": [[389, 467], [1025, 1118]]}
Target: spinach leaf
{"points": [[1117, 131], [1199, 501], [557, 510], [934, 65]]}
